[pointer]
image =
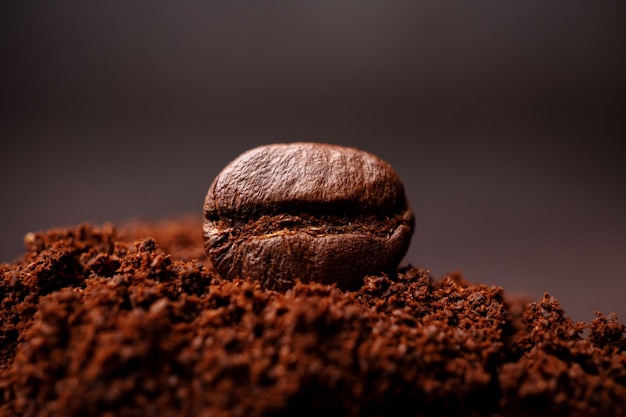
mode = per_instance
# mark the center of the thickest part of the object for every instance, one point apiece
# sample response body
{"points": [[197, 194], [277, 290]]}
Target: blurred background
{"points": [[505, 120]]}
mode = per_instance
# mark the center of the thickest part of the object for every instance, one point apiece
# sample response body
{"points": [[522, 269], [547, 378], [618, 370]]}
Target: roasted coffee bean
{"points": [[307, 211]]}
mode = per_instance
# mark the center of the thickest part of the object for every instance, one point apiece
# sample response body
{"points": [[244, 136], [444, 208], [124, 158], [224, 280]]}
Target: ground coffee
{"points": [[132, 321]]}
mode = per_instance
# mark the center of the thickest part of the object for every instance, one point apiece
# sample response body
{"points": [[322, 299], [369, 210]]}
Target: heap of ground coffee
{"points": [[132, 321]]}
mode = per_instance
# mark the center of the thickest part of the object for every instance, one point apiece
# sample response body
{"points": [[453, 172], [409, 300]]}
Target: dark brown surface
{"points": [[99, 321], [308, 211]]}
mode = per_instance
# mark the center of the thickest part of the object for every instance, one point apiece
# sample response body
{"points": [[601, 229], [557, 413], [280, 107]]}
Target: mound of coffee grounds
{"points": [[133, 321]]}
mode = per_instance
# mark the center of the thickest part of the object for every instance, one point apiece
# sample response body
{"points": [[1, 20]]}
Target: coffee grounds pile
{"points": [[132, 321]]}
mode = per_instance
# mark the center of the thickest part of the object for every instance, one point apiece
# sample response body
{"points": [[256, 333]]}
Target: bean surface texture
{"points": [[308, 211]]}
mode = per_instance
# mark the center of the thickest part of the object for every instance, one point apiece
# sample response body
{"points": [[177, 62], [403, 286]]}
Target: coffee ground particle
{"points": [[134, 322]]}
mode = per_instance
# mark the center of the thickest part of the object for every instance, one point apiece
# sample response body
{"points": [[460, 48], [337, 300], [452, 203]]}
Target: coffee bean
{"points": [[307, 211]]}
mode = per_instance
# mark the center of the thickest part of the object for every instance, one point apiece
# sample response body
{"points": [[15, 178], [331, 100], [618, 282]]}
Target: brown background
{"points": [[505, 120]]}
